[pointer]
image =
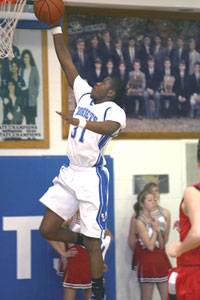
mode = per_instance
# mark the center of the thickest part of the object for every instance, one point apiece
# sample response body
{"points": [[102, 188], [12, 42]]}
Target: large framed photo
{"points": [[24, 121], [156, 54]]}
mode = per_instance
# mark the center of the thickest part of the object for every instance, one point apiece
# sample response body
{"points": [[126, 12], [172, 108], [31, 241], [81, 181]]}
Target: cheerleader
{"points": [[151, 261], [74, 264]]}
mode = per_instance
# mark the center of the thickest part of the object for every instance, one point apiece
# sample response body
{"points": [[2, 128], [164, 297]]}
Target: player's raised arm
{"points": [[104, 128], [64, 55]]}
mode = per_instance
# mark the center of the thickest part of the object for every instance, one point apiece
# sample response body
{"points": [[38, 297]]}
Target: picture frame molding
{"points": [[156, 14], [37, 143]]}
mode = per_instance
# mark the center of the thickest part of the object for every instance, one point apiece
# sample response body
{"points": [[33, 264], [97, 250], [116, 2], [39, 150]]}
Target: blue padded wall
{"points": [[22, 182]]}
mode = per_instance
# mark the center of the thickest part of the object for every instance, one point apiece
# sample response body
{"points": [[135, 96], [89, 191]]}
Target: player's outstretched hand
{"points": [[68, 119], [173, 249]]}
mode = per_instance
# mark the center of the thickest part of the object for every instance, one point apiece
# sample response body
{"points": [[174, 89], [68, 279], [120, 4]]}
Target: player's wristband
{"points": [[82, 122], [56, 30]]}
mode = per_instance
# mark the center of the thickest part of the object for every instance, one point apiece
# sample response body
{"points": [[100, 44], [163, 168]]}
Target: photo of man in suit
{"points": [[151, 94], [182, 91], [81, 59]]}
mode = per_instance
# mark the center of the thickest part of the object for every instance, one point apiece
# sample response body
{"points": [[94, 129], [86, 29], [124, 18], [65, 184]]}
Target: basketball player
{"points": [[184, 281], [83, 184]]}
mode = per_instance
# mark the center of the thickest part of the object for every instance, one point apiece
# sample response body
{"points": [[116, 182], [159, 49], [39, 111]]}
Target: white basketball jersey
{"points": [[85, 148]]}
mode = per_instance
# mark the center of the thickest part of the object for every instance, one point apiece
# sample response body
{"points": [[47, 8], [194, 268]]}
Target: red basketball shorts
{"points": [[184, 283]]}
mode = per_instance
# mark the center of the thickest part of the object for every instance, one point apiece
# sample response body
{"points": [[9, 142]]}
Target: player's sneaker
{"points": [[104, 298]]}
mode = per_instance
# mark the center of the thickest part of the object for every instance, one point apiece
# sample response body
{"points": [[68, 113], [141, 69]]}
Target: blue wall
{"points": [[26, 259]]}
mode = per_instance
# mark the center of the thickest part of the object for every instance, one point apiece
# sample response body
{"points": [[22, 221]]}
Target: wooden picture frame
{"points": [[81, 22], [23, 127]]}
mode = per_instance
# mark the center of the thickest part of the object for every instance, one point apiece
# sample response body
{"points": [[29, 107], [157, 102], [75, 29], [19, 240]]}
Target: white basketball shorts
{"points": [[80, 188]]}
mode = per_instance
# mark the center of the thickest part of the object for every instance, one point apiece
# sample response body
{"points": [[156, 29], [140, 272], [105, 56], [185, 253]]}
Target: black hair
{"points": [[119, 87], [167, 59], [131, 38], [15, 61], [140, 199], [198, 151], [137, 60], [80, 41], [11, 80], [32, 61], [182, 62], [151, 58]]}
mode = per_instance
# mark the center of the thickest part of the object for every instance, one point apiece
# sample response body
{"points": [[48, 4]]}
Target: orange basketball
{"points": [[49, 11]]}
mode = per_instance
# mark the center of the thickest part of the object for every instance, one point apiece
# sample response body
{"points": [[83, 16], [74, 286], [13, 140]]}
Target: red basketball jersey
{"points": [[191, 257]]}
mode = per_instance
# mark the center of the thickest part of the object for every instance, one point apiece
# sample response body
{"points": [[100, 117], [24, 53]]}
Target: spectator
{"points": [[151, 242], [162, 214], [74, 264]]}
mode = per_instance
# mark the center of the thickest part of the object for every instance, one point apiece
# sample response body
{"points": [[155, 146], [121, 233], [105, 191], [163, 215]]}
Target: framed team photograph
{"points": [[24, 116], [156, 55], [139, 182]]}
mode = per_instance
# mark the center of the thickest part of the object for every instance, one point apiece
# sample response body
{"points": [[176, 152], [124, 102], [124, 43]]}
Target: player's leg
{"points": [[51, 228], [87, 294], [171, 289], [93, 217], [162, 288], [96, 266], [146, 290], [95, 256], [69, 294], [61, 205]]}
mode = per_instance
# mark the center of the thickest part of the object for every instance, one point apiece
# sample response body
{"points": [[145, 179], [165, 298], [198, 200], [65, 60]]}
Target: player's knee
{"points": [[45, 231], [92, 244]]}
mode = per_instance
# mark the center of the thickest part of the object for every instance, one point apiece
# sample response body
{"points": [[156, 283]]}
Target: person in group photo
{"points": [[29, 73], [12, 104], [135, 92], [151, 93]]}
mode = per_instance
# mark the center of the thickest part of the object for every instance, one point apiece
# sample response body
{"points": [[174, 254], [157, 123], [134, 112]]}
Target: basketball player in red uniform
{"points": [[184, 280]]}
